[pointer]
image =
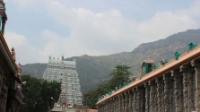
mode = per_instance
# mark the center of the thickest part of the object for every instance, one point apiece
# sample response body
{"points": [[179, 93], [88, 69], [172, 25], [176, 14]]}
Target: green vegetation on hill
{"points": [[94, 70], [35, 69], [119, 78]]}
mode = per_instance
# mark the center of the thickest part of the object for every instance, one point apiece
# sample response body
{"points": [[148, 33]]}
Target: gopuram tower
{"points": [[64, 71]]}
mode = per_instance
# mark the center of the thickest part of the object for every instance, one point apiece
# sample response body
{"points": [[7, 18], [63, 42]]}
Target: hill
{"points": [[94, 70]]}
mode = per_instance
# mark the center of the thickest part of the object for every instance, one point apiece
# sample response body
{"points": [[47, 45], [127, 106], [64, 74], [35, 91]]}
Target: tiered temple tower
{"points": [[64, 71]]}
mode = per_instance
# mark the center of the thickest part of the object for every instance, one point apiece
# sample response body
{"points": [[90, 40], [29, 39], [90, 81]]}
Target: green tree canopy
{"points": [[120, 75], [39, 93]]}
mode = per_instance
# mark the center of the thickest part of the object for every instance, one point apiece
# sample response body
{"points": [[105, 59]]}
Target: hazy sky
{"points": [[38, 29]]}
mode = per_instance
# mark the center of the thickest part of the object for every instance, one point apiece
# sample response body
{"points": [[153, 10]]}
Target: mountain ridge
{"points": [[94, 70]]}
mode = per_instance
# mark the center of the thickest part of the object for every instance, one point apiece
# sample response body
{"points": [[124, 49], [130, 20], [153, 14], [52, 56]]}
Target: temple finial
{"points": [[13, 53]]}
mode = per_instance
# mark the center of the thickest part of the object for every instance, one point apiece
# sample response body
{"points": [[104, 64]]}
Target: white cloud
{"points": [[103, 31], [62, 45], [194, 9], [114, 32], [164, 24], [14, 39], [27, 3], [25, 53], [97, 33]]}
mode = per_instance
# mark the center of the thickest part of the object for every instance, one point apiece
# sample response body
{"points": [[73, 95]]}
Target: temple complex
{"points": [[64, 71], [11, 97], [172, 87]]}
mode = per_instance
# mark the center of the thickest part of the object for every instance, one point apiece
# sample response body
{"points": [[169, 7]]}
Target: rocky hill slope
{"points": [[94, 70]]}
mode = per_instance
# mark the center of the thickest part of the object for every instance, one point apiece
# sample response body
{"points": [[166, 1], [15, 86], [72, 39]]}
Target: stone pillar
{"points": [[153, 98], [146, 97], [160, 89], [137, 100], [196, 66], [134, 100], [118, 103], [101, 108], [171, 94], [126, 102], [142, 99], [108, 106], [130, 101], [178, 90], [111, 104], [98, 108], [166, 92], [185, 71], [121, 103], [105, 105], [191, 93], [118, 107], [115, 104]]}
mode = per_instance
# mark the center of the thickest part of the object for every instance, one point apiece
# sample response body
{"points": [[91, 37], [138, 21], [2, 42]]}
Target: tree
{"points": [[39, 93], [120, 74]]}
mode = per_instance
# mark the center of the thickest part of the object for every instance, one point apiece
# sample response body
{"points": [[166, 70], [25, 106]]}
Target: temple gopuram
{"points": [[64, 71]]}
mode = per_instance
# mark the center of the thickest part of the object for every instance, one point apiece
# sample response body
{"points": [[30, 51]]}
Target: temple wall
{"points": [[8, 101], [173, 88]]}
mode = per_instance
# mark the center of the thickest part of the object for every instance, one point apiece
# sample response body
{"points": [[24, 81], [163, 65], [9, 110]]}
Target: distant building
{"points": [[64, 71]]}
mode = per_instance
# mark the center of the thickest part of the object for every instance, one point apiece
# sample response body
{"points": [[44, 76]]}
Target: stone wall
{"points": [[172, 88]]}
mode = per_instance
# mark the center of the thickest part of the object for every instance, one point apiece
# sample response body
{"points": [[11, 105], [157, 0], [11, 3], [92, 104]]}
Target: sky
{"points": [[38, 29]]}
